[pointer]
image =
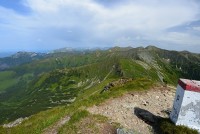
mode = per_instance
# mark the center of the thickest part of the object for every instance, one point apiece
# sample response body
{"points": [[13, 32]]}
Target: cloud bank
{"points": [[99, 23]]}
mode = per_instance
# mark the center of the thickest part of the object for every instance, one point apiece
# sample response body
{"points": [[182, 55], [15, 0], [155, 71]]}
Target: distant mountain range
{"points": [[32, 82], [6, 54], [18, 59]]}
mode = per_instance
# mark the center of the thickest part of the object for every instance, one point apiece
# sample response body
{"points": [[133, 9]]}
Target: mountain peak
{"points": [[23, 53], [151, 47], [117, 48]]}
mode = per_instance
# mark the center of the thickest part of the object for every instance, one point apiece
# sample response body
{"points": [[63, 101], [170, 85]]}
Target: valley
{"points": [[49, 87]]}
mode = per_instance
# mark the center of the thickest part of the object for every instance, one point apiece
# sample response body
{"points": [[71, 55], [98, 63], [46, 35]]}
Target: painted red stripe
{"points": [[189, 85]]}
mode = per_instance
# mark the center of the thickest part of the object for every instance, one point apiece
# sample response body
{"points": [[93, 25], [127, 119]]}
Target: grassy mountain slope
{"points": [[59, 87], [7, 79], [74, 79], [19, 58]]}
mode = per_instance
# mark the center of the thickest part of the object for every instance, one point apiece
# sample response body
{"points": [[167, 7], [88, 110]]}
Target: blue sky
{"points": [[32, 25]]}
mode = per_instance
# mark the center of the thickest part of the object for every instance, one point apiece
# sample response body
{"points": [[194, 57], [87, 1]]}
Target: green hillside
{"points": [[63, 82], [7, 79]]}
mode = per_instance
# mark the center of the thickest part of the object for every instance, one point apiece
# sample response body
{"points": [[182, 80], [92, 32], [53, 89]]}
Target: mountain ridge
{"points": [[63, 78]]}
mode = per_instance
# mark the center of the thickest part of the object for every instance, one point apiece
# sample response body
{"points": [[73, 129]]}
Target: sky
{"points": [[33, 25]]}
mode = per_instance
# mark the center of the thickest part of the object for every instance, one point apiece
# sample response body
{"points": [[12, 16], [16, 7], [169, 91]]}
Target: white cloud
{"points": [[181, 38], [133, 15], [196, 28], [91, 22]]}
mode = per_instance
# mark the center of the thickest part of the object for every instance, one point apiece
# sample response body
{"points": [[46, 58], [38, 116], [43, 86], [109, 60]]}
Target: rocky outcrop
{"points": [[14, 123], [119, 82]]}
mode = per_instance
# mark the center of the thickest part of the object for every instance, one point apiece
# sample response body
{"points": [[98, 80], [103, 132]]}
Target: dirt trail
{"points": [[54, 129], [121, 109]]}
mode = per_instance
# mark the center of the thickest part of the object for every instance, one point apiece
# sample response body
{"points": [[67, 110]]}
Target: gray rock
{"points": [[125, 131], [14, 123]]}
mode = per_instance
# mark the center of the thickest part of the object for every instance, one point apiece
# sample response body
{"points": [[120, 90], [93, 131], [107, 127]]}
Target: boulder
{"points": [[125, 131]]}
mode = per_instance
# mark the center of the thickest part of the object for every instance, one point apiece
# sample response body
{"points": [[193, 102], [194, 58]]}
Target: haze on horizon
{"points": [[33, 25]]}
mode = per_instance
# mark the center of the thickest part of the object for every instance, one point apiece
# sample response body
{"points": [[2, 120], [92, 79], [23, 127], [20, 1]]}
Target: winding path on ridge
{"points": [[121, 109], [55, 127]]}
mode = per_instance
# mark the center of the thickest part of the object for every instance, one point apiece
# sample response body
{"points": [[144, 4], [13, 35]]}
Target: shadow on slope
{"points": [[161, 125]]}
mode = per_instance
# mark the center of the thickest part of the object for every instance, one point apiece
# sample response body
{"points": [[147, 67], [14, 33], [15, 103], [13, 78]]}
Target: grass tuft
{"points": [[167, 127], [78, 116]]}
